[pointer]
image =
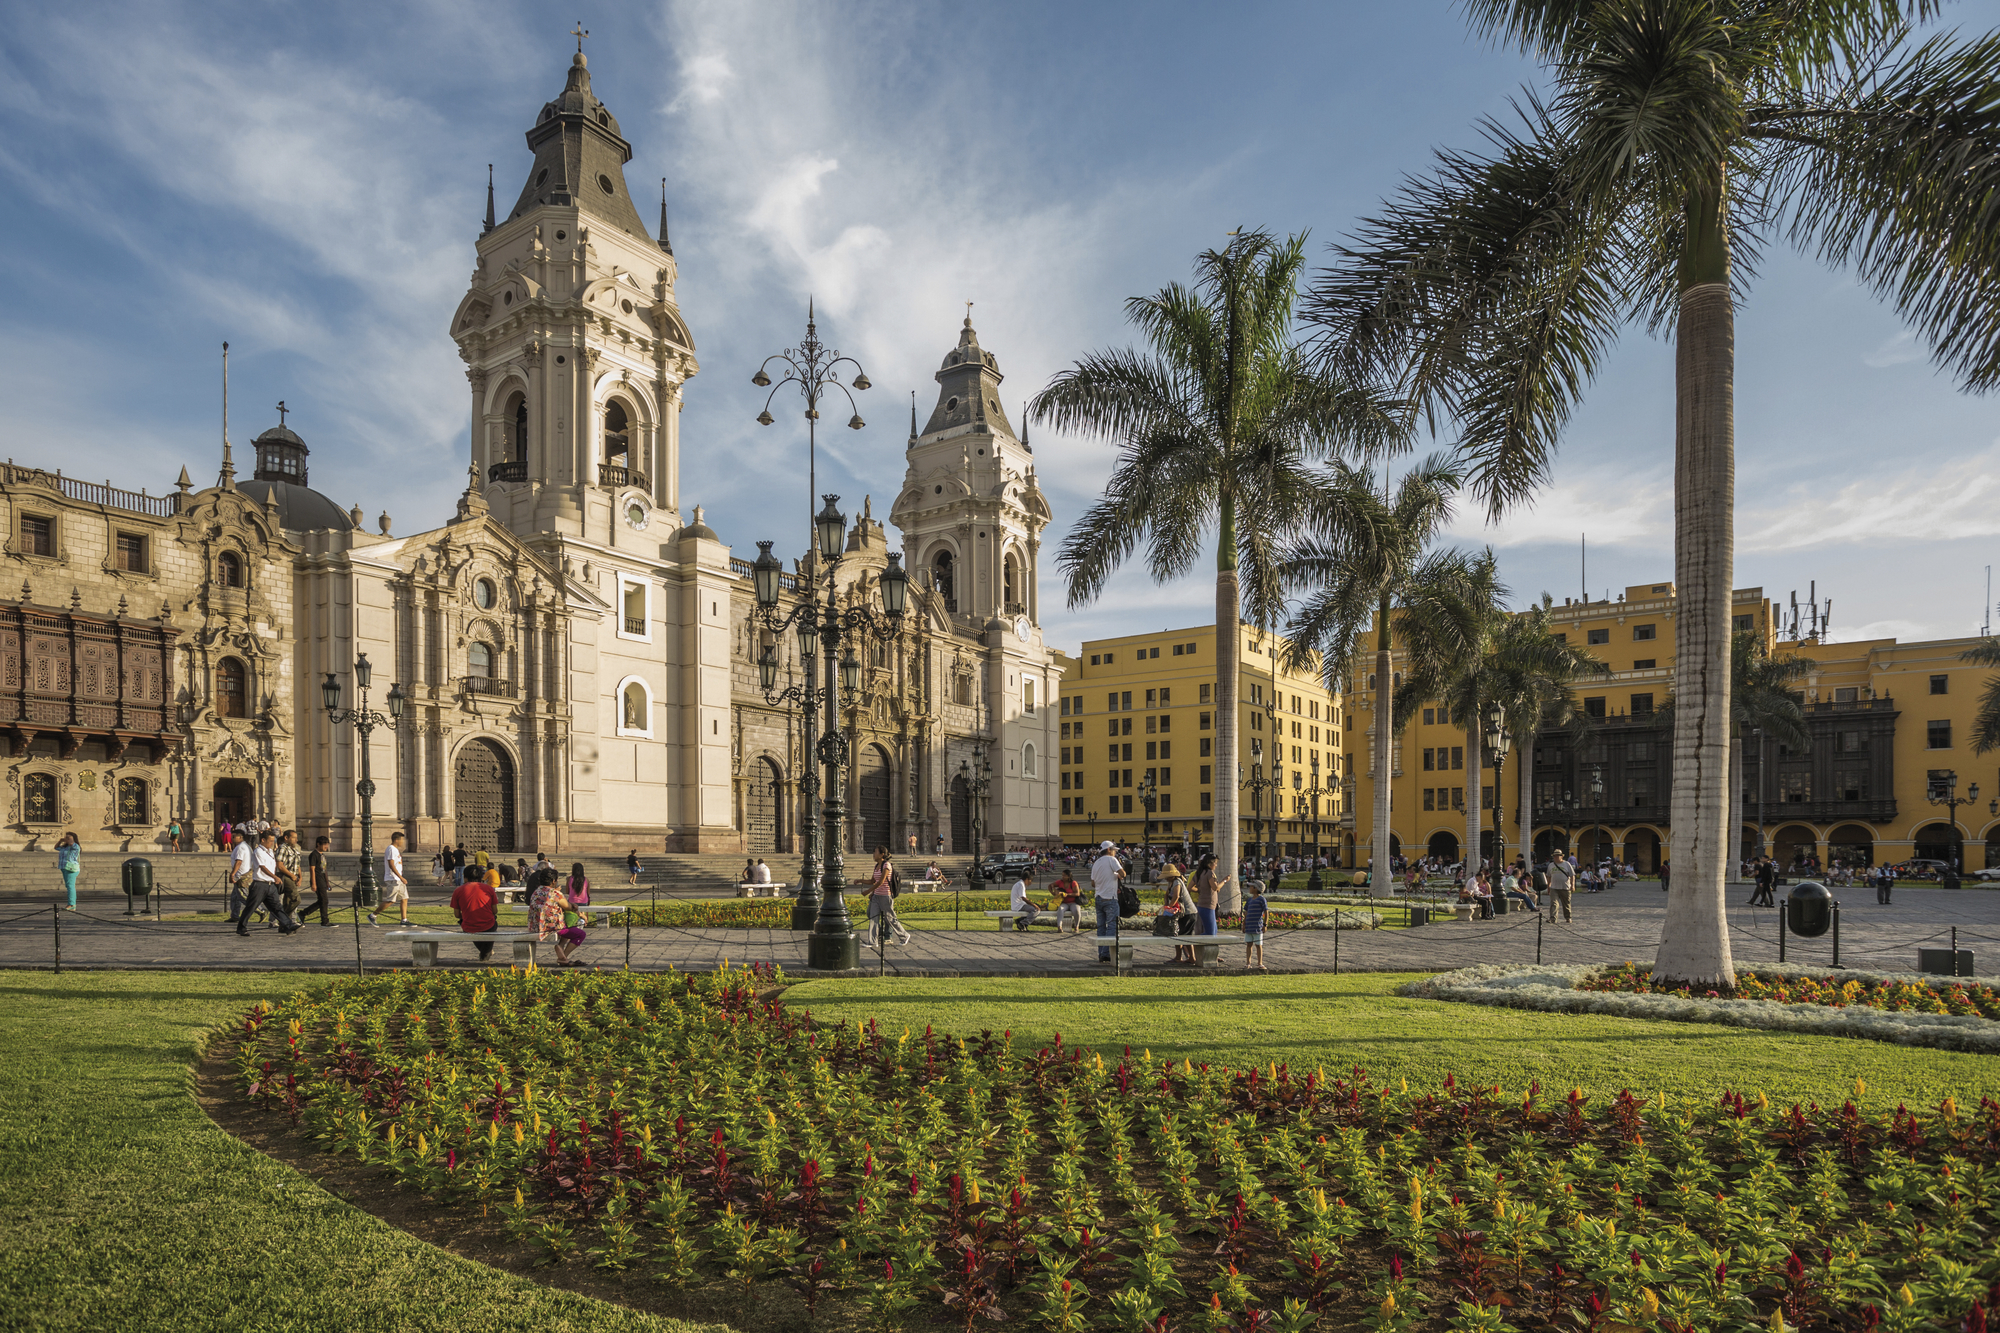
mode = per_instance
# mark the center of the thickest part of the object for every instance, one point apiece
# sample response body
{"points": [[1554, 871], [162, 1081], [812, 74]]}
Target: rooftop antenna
{"points": [[227, 480], [489, 196], [1986, 611], [1812, 605], [665, 244], [1583, 559]]}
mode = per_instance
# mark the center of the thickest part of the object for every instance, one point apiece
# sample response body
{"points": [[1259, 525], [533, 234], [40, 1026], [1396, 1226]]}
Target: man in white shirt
{"points": [[1020, 902], [395, 888], [1562, 882], [762, 874], [264, 887], [1105, 875], [241, 868]]}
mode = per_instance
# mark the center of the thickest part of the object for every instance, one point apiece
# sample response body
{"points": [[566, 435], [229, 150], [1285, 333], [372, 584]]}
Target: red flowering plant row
{"points": [[1969, 998], [696, 1131]]}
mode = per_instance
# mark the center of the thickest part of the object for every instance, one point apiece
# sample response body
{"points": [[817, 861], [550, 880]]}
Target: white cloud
{"points": [[1932, 500], [1896, 351], [1612, 506], [705, 77]]}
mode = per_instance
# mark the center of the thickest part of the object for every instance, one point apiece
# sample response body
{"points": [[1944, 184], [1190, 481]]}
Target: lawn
{"points": [[1339, 1022], [128, 1209]]}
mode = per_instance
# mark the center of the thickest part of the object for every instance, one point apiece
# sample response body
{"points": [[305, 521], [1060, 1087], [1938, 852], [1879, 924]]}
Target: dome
{"points": [[300, 508], [280, 435]]}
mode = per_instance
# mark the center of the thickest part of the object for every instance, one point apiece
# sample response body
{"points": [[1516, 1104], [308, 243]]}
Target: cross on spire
{"points": [[282, 409], [579, 32], [968, 312]]}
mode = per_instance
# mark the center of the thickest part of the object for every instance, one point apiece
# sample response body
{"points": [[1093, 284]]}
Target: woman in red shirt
{"points": [[473, 904]]}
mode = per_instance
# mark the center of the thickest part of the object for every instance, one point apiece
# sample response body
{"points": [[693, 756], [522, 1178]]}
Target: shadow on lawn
{"points": [[279, 989]]}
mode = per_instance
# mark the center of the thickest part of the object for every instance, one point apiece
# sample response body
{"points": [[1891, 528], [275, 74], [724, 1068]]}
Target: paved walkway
{"points": [[1623, 923]]}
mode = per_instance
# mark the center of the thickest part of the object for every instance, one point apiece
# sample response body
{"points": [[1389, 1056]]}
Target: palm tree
{"points": [[1986, 721], [1218, 423], [1360, 554], [1679, 137], [1533, 669]]}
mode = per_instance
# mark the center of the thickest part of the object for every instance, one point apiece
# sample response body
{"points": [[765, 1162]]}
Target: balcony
{"points": [[608, 475], [516, 471], [488, 685], [635, 624]]}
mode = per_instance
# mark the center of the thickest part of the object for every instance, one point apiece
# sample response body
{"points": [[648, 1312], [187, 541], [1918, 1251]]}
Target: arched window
{"points": [[229, 569], [231, 694], [479, 660], [517, 429], [1028, 761], [38, 800], [1010, 584], [635, 707], [617, 434], [941, 580]]}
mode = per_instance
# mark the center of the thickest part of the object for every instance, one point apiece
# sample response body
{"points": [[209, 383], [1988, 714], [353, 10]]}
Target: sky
{"points": [[307, 183]]}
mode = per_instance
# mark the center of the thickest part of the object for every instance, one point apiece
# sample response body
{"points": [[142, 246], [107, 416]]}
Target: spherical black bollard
{"points": [[1809, 909]]}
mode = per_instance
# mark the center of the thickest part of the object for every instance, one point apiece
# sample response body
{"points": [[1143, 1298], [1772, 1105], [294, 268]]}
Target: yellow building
{"points": [[1142, 708], [1888, 722]]}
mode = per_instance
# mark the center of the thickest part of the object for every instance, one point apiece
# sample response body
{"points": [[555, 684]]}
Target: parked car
{"points": [[1922, 867], [1990, 873], [1005, 866]]}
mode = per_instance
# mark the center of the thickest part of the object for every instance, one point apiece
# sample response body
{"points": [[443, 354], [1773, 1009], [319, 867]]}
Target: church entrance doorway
{"points": [[961, 818], [483, 797], [761, 807], [873, 798], [235, 800]]}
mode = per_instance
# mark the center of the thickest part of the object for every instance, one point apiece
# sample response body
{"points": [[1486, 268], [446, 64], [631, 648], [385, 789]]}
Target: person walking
{"points": [[317, 879], [264, 887], [291, 858], [69, 864], [1885, 883], [882, 923], [632, 865], [1666, 875], [173, 835], [395, 888], [1765, 883], [242, 870], [1105, 875], [1253, 926], [1562, 883]]}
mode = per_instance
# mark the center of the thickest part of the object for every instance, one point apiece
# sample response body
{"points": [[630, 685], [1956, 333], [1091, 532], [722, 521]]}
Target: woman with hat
{"points": [[1179, 904]]}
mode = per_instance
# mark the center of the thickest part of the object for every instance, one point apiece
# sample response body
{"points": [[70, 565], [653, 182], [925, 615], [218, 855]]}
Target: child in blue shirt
{"points": [[1253, 926]]}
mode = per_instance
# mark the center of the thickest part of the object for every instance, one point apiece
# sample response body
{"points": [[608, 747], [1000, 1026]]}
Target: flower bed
{"points": [[1921, 995], [693, 1131], [1599, 989]]}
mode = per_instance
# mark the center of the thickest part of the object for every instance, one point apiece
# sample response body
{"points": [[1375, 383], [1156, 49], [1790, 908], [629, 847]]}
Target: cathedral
{"points": [[579, 657]]}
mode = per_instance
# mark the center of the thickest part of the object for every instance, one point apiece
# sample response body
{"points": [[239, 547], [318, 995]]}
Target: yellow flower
{"points": [[1389, 1306], [1905, 1295], [519, 1202], [1650, 1301], [517, 1133]]}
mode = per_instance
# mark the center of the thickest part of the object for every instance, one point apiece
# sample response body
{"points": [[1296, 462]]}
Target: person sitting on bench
{"points": [[472, 902], [1020, 902]]}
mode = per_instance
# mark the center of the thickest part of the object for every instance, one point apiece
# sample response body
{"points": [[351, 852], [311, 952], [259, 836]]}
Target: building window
{"points": [[38, 799], [230, 689], [1640, 789], [1028, 698], [1207, 747], [1457, 756], [1597, 636], [479, 660], [633, 613], [1457, 797], [1166, 723], [1093, 659], [961, 689], [1206, 799], [1851, 784], [1795, 788], [1063, 711], [1743, 624], [1177, 649], [1207, 773], [617, 435], [131, 553], [1641, 633], [1204, 694], [229, 569], [1940, 684], [1645, 664], [1848, 742], [1166, 803], [1430, 760], [483, 595], [944, 585], [1642, 705], [1430, 798], [38, 535], [1938, 735], [132, 801], [519, 428], [1028, 769], [1594, 708], [1109, 657], [1846, 694], [1166, 749]]}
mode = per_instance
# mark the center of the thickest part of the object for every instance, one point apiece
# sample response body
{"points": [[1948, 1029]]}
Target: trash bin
{"points": [[136, 877], [1420, 916], [1808, 909]]}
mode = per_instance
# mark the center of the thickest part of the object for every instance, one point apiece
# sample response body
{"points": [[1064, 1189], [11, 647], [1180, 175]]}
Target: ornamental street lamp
{"points": [[833, 946], [364, 722], [815, 368], [1148, 790], [1090, 819], [978, 779], [1596, 813], [1313, 795], [1944, 791], [1497, 742]]}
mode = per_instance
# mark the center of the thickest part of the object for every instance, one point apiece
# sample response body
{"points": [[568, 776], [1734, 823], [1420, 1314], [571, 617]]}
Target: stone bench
{"points": [[424, 943], [776, 889], [1209, 947], [588, 910], [1000, 919]]}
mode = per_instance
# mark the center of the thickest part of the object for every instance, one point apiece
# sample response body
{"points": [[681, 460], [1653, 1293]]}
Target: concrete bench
{"points": [[776, 889], [606, 912], [424, 943], [928, 885], [1209, 947], [1000, 919]]}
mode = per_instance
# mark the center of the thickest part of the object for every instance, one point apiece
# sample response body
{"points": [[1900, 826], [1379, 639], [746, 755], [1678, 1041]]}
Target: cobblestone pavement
{"points": [[1621, 924]]}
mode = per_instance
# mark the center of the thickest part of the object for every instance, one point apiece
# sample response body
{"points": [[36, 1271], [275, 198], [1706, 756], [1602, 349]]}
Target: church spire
{"points": [[665, 244], [913, 416], [489, 196], [580, 157]]}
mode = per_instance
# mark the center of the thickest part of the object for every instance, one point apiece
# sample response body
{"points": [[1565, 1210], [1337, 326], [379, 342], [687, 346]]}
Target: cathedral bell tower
{"points": [[970, 510], [573, 342]]}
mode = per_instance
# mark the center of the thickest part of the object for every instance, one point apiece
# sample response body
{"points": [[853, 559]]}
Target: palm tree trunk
{"points": [[1385, 691], [1475, 777], [1228, 654], [1694, 940]]}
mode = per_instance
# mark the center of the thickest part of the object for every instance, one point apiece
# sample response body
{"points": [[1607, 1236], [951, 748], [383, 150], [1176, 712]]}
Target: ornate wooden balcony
{"points": [[84, 677]]}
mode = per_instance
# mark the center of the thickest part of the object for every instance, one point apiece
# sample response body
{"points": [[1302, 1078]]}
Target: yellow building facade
{"points": [[1889, 723], [1142, 707]]}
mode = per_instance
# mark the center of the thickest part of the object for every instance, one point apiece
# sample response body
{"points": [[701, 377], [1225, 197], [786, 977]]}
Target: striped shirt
{"points": [[1253, 915]]}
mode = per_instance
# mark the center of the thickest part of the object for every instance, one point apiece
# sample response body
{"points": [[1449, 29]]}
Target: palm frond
{"points": [[1986, 716]]}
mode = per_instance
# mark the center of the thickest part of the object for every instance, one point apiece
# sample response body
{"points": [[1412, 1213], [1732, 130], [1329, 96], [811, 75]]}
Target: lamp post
{"points": [[1091, 819], [833, 946], [1568, 805], [364, 722], [978, 779], [1313, 794], [1148, 790], [815, 368], [1596, 812], [1496, 744], [1944, 791]]}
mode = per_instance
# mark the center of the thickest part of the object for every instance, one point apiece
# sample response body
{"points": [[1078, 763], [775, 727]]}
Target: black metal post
{"points": [[55, 914], [805, 911], [1836, 933], [1538, 936], [1781, 932], [833, 946]]}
